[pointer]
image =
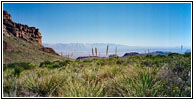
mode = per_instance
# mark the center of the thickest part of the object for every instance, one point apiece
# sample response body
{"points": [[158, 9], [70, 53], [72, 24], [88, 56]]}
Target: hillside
{"points": [[24, 44]]}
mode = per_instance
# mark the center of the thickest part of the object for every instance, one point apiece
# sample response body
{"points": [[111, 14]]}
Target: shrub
{"points": [[187, 55], [148, 56], [19, 67], [43, 64], [22, 65], [17, 71], [177, 76], [143, 85], [100, 62], [54, 64]]}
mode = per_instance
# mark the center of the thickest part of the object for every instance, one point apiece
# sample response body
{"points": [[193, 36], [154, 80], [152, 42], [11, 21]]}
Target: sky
{"points": [[133, 24]]}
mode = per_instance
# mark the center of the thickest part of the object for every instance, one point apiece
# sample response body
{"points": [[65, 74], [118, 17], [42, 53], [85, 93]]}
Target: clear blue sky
{"points": [[135, 24]]}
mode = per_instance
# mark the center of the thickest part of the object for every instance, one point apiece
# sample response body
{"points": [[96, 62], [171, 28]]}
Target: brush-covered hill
{"points": [[22, 43]]}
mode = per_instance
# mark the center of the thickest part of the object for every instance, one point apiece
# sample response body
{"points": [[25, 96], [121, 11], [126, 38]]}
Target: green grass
{"points": [[158, 76], [26, 52]]}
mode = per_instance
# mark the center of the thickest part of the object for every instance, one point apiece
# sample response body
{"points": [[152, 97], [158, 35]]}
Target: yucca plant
{"points": [[43, 82], [143, 85], [80, 88]]}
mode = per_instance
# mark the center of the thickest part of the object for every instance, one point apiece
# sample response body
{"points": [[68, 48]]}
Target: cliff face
{"points": [[22, 43], [24, 32]]}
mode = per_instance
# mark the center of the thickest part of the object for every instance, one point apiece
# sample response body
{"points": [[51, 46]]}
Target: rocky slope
{"points": [[23, 43]]}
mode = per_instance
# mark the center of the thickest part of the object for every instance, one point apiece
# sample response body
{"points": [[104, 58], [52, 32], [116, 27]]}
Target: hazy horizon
{"points": [[75, 50], [177, 46]]}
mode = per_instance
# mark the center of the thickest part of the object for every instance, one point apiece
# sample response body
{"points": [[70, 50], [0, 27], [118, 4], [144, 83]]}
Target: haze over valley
{"points": [[74, 50]]}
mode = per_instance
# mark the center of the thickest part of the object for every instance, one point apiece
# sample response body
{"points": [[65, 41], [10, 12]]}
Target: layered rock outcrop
{"points": [[12, 29], [24, 32]]}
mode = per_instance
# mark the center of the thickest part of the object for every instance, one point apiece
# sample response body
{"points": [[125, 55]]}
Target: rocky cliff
{"points": [[18, 30], [29, 34]]}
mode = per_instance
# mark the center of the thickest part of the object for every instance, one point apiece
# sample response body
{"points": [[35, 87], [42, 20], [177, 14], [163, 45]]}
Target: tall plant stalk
{"points": [[92, 52], [116, 50], [96, 51], [107, 50]]}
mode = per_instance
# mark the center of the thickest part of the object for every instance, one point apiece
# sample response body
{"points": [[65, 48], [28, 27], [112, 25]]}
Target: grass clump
{"points": [[138, 76]]}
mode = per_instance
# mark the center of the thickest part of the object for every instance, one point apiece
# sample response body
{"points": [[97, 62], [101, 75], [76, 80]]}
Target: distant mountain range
{"points": [[75, 50], [87, 47]]}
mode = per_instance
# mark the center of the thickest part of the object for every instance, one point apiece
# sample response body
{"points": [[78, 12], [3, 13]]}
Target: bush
{"points": [[43, 64], [22, 65], [54, 64], [187, 55], [19, 67], [148, 56], [100, 62], [143, 85], [177, 76], [17, 71]]}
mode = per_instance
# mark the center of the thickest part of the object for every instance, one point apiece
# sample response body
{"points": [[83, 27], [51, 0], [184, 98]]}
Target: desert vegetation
{"points": [[136, 76]]}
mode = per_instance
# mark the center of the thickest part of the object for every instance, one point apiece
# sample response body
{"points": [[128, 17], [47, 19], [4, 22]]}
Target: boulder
{"points": [[48, 50]]}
